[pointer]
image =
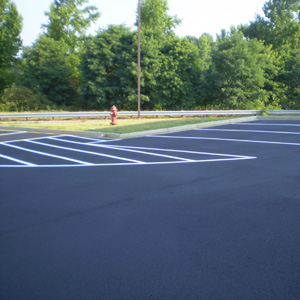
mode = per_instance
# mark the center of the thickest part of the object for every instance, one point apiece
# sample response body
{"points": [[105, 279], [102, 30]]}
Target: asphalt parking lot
{"points": [[203, 214]]}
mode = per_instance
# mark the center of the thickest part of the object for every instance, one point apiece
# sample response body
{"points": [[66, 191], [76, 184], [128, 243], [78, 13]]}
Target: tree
{"points": [[69, 23], [109, 69], [155, 18], [170, 71], [47, 71], [170, 66], [10, 41], [241, 74], [179, 79], [157, 27], [20, 98], [280, 27], [205, 44], [291, 77]]}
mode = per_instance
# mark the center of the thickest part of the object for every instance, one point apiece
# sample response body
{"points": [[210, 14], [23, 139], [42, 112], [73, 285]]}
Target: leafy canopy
{"points": [[10, 41], [155, 18], [68, 22], [241, 73], [280, 27], [47, 71]]}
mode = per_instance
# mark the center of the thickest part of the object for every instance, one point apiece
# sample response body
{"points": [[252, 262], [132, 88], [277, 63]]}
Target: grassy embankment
{"points": [[103, 125]]}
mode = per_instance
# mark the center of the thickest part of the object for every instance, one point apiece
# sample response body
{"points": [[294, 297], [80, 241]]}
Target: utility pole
{"points": [[139, 60]]}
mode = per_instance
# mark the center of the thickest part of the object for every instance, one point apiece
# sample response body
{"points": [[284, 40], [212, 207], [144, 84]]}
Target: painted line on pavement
{"points": [[48, 154], [17, 160], [91, 140], [103, 141], [88, 152], [74, 142], [186, 151], [12, 133], [254, 131], [25, 140], [147, 153], [130, 164], [122, 148], [222, 139], [266, 124]]}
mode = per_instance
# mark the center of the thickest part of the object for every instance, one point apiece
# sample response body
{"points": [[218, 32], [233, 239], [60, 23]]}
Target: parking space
{"points": [[251, 133], [202, 214], [12, 135], [32, 150], [59, 151]]}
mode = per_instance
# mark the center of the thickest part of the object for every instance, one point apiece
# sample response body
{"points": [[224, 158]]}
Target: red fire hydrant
{"points": [[114, 114]]}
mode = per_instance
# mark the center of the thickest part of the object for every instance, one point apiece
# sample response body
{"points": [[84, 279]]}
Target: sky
{"points": [[198, 16]]}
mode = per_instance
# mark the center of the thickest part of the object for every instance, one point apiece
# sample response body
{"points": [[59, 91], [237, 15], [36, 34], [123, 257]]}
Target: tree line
{"points": [[252, 66]]}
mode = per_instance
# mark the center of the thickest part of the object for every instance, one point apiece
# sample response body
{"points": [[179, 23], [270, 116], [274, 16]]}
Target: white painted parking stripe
{"points": [[12, 133], [73, 142], [222, 139], [203, 160], [188, 152], [103, 141], [17, 160], [66, 141], [48, 154], [81, 137], [147, 153], [127, 162], [133, 164], [254, 131], [24, 140], [93, 141], [89, 140], [266, 124], [88, 152]]}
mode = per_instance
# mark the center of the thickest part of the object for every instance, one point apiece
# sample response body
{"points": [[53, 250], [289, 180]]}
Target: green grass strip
{"points": [[101, 125]]}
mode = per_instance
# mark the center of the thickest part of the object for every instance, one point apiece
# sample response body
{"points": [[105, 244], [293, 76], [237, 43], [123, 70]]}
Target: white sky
{"points": [[198, 16]]}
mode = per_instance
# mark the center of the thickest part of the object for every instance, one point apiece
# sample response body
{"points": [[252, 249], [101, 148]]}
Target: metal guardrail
{"points": [[127, 114], [145, 114], [284, 112], [200, 112]]}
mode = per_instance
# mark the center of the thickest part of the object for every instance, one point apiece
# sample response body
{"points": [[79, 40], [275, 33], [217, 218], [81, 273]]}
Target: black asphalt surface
{"points": [[225, 225]]}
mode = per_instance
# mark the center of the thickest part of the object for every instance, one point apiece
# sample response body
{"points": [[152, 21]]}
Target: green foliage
{"points": [[155, 18], [10, 42], [291, 77], [108, 69], [283, 23], [170, 66], [240, 73], [22, 99], [68, 23], [47, 71], [280, 27], [151, 63], [179, 78], [253, 67], [171, 71], [205, 45]]}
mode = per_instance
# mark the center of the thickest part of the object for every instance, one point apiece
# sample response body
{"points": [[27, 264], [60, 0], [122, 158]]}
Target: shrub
{"points": [[23, 99]]}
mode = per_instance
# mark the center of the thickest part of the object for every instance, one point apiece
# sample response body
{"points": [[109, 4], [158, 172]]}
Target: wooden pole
{"points": [[139, 60]]}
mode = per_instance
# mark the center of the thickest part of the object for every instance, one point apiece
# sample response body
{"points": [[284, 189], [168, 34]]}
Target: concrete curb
{"points": [[133, 134], [180, 128]]}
